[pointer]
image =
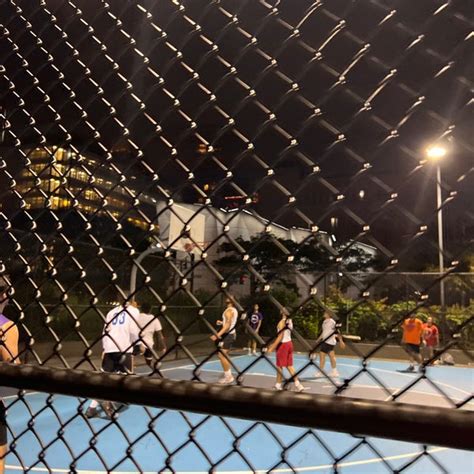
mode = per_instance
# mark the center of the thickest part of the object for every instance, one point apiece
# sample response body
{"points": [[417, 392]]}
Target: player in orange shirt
{"points": [[412, 340], [8, 353]]}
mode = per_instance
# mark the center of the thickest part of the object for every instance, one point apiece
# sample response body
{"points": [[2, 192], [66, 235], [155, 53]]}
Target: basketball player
{"points": [[121, 332], [149, 325], [284, 352], [226, 335], [412, 339], [255, 321], [8, 353], [430, 337], [328, 339]]}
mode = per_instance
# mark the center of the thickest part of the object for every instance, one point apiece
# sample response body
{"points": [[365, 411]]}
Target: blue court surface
{"points": [[153, 440]]}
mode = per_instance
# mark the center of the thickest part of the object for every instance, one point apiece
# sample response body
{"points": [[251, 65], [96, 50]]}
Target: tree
{"points": [[277, 261]]}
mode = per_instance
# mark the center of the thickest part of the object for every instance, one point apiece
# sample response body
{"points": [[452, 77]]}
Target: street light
{"points": [[436, 153]]}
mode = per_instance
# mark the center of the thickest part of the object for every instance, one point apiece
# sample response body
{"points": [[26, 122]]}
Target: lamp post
{"points": [[436, 153]]}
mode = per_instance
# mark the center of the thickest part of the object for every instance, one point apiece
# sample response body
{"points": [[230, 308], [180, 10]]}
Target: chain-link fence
{"points": [[209, 192]]}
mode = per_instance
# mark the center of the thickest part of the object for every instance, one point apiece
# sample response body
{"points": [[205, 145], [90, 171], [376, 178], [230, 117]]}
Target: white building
{"points": [[196, 232]]}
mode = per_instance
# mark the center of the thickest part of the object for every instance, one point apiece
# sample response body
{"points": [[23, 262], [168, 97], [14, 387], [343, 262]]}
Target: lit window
{"points": [[58, 170], [35, 202], [90, 195], [55, 202]]}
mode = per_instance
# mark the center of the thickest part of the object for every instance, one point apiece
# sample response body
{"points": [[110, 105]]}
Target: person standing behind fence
{"points": [[430, 337], [150, 325], [412, 338], [8, 353], [284, 352], [254, 321], [328, 340], [120, 334], [226, 337]]}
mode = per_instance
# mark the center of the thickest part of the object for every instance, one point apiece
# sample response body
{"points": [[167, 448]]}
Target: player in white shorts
{"points": [[226, 335], [121, 332]]}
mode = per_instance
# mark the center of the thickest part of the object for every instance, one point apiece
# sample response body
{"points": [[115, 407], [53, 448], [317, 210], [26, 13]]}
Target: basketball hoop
{"points": [[190, 246]]}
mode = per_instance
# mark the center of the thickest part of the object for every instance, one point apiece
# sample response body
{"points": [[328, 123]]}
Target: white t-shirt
{"points": [[149, 324], [233, 319], [121, 329], [287, 332], [329, 327]]}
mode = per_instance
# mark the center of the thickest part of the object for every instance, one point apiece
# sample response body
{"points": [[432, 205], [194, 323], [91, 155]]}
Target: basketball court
{"points": [[160, 439]]}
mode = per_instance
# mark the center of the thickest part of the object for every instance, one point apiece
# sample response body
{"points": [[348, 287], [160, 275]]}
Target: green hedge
{"points": [[371, 320]]}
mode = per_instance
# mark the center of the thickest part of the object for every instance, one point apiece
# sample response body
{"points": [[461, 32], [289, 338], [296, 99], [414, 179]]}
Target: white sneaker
{"points": [[334, 373], [249, 351], [254, 353], [300, 388], [226, 380], [277, 387]]}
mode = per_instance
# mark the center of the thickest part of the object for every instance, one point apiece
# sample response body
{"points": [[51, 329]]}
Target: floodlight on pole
{"points": [[435, 153]]}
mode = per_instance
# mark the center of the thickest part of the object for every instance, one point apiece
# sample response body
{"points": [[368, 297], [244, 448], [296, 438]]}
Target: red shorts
{"points": [[285, 354]]}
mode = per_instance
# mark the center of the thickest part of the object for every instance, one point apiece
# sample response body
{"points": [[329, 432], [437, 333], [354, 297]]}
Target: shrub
{"points": [[456, 316], [308, 320]]}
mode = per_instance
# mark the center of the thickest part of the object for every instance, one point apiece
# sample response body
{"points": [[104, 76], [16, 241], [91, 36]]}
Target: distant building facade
{"points": [[60, 178]]}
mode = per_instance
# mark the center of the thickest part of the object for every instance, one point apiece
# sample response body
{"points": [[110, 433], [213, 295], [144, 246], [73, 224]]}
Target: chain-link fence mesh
{"points": [[312, 158]]}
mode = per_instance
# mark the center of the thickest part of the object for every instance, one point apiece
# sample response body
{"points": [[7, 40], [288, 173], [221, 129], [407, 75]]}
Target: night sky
{"points": [[334, 98]]}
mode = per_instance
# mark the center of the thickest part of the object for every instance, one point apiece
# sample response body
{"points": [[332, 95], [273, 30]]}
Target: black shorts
{"points": [[227, 341], [148, 354], [136, 350], [326, 348], [414, 348], [3, 425], [117, 363]]}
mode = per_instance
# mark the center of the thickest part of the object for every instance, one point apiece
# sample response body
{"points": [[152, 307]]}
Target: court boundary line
{"points": [[284, 470], [258, 374], [268, 375], [192, 366], [8, 397], [464, 392], [300, 356], [458, 365]]}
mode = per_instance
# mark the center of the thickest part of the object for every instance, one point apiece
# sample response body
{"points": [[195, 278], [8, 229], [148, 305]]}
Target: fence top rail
{"points": [[411, 423]]}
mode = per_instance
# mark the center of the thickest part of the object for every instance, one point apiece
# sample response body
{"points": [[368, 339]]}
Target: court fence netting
{"points": [[312, 158]]}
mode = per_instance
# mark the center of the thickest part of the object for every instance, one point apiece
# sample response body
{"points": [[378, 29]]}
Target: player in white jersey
{"points": [[328, 339], [226, 335], [121, 332], [8, 353], [150, 325]]}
